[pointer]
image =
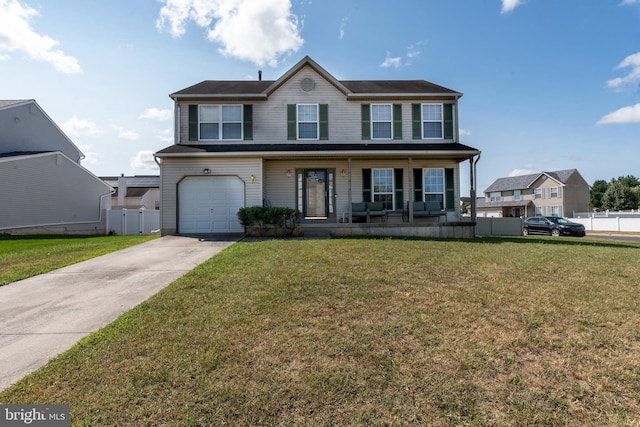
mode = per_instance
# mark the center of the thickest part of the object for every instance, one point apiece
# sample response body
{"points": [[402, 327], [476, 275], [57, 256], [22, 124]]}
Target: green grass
{"points": [[26, 256], [520, 331]]}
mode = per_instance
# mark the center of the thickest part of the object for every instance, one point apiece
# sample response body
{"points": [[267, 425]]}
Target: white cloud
{"points": [[144, 160], [390, 61], [509, 5], [16, 34], [76, 126], [629, 2], [343, 27], [519, 172], [4, 57], [629, 114], [260, 31], [165, 136], [633, 62], [156, 114], [413, 51], [90, 156], [464, 132], [123, 133]]}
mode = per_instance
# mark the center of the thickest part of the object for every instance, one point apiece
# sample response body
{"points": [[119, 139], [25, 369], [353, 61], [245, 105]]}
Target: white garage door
{"points": [[210, 205]]}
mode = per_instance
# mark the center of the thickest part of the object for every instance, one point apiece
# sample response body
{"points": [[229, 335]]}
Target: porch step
{"points": [[317, 234]]}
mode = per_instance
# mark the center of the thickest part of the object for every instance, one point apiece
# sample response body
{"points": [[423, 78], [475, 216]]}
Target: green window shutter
{"points": [[447, 114], [398, 191], [291, 122], [248, 122], [416, 121], [366, 121], [417, 185], [366, 185], [449, 189], [324, 121], [397, 121], [193, 122]]}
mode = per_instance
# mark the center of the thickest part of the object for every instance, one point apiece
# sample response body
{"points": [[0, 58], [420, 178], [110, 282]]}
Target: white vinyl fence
{"points": [[513, 226], [133, 221]]}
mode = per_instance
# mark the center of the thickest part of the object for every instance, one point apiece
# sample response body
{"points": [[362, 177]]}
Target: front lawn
{"points": [[26, 256], [512, 331]]}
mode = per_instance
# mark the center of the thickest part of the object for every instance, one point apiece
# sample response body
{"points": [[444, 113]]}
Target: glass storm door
{"points": [[316, 193]]}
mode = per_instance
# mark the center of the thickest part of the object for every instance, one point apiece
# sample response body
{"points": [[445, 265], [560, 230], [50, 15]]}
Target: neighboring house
{"points": [[318, 144], [135, 192], [559, 193], [44, 187]]}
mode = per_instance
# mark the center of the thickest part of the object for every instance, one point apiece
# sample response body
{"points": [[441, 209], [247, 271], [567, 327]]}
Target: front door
{"points": [[316, 194]]}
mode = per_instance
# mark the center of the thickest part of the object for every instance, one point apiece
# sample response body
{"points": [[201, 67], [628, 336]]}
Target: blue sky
{"points": [[548, 84]]}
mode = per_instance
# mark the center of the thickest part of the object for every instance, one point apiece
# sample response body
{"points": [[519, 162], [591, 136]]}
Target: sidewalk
{"points": [[45, 315]]}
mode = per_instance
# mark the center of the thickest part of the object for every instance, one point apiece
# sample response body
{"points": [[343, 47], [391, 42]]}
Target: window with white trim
{"points": [[432, 121], [555, 210], [434, 185], [381, 121], [495, 196], [517, 195], [383, 187], [554, 192], [308, 121], [220, 122], [538, 193], [539, 211]]}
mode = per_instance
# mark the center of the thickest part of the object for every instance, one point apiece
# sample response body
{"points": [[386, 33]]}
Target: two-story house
{"points": [[310, 141], [45, 189], [559, 193]]}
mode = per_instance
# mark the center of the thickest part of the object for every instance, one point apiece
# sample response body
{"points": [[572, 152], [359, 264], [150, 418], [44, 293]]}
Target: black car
{"points": [[553, 226]]}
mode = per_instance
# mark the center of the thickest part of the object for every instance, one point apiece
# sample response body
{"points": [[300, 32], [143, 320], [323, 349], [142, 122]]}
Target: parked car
{"points": [[553, 226]]}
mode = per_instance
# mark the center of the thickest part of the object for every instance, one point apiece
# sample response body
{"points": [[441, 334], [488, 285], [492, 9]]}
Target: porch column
{"points": [[350, 210], [411, 192]]}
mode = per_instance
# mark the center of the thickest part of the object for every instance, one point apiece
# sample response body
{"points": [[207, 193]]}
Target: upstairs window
{"points": [[495, 196], [308, 122], [381, 118], [217, 122], [538, 193], [554, 192], [517, 195], [432, 121]]}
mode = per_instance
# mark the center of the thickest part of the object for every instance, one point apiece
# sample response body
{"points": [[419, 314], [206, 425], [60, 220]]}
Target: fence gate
{"points": [[133, 221]]}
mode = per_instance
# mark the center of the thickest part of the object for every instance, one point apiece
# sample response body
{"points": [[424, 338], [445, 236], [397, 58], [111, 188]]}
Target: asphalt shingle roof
{"points": [[524, 181]]}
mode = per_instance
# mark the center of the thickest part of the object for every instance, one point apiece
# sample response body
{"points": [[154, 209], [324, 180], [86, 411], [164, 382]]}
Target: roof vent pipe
{"points": [[260, 75]]}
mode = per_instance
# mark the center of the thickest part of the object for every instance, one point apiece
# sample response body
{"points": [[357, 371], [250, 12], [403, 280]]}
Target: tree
{"points": [[619, 197], [598, 189], [629, 180]]}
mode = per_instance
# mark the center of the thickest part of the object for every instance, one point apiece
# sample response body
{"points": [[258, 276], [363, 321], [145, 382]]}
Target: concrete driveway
{"points": [[43, 316]]}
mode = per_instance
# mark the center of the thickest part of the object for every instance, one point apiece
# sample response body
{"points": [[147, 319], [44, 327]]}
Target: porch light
{"points": [[252, 178], [343, 172], [288, 173], [206, 171]]}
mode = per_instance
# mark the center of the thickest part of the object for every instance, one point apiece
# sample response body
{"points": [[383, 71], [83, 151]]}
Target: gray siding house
{"points": [[558, 193], [320, 145], [44, 187]]}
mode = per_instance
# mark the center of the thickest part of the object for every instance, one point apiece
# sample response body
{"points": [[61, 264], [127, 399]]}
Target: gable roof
{"points": [[31, 129], [525, 181], [350, 88]]}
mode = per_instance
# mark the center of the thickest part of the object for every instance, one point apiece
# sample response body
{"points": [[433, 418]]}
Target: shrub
{"points": [[261, 217]]}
